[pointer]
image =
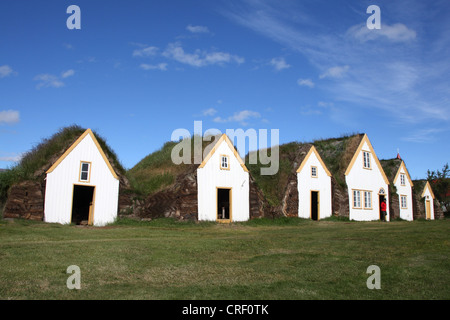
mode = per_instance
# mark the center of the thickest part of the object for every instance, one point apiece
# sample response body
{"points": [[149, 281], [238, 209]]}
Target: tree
{"points": [[440, 181]]}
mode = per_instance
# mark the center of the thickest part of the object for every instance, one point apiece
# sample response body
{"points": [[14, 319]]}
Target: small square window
{"points": [[85, 171], [224, 162], [314, 172]]}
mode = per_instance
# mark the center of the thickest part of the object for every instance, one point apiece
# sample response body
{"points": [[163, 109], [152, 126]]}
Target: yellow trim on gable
{"points": [[225, 138], [355, 156], [75, 144], [311, 150], [429, 188], [406, 172]]}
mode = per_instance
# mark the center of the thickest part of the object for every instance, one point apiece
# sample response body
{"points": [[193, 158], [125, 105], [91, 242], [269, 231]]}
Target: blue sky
{"points": [[138, 70]]}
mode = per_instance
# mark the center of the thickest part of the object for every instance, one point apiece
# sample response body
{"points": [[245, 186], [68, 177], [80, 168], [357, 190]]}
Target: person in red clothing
{"points": [[383, 210]]}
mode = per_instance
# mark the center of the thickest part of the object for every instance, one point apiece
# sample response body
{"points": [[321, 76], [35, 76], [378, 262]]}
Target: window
{"points": [[402, 179], [403, 202], [356, 199], [367, 200], [314, 172], [366, 158], [85, 171], [224, 163], [357, 203]]}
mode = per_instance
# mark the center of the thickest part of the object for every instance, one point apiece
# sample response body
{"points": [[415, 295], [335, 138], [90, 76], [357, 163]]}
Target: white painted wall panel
{"points": [[429, 197], [211, 177], [306, 184], [368, 180], [60, 184], [406, 190]]}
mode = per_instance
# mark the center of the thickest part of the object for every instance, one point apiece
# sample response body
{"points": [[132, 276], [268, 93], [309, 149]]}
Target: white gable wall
{"points": [[366, 180], [428, 197], [211, 177], [404, 190], [61, 181], [306, 184]]}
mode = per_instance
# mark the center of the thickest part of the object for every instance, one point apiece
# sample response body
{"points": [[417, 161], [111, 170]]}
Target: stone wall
{"points": [[25, 200], [339, 200]]}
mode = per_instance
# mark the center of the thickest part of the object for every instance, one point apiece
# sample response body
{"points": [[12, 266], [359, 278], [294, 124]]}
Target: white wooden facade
{"points": [[217, 173], [366, 182], [428, 198], [66, 176], [404, 184], [314, 187]]}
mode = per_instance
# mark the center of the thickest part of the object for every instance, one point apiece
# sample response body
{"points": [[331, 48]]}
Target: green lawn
{"points": [[281, 259]]}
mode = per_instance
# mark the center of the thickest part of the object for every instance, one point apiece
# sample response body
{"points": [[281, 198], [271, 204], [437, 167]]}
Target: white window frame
{"points": [[357, 199], [226, 162], [402, 179], [366, 160], [88, 171], [367, 199], [403, 202], [314, 173]]}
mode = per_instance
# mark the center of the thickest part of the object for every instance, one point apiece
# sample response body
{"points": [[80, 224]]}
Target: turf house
{"points": [[73, 177], [218, 189], [314, 186]]}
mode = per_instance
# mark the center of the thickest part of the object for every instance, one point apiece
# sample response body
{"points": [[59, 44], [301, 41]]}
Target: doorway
{"points": [[381, 197], [82, 204], [315, 205], [223, 204], [428, 209]]}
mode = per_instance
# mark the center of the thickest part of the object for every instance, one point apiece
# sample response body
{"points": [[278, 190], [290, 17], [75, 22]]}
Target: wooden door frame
{"points": [[428, 209], [230, 189], [91, 207], [318, 204]]}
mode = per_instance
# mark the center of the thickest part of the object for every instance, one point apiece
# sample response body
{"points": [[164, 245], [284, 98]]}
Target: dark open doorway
{"points": [[82, 203], [315, 205], [380, 201], [223, 204]]}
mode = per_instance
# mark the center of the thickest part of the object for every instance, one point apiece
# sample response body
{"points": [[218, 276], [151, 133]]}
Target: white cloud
{"points": [[5, 71], [160, 66], [279, 64], [47, 80], [197, 29], [305, 82], [241, 117], [209, 112], [335, 72], [424, 135], [9, 116], [67, 73], [396, 33], [323, 104], [199, 58], [145, 52], [420, 91], [11, 157]]}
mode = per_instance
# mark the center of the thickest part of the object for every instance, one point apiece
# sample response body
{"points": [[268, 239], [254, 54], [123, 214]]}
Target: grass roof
{"points": [[335, 152], [157, 171], [41, 157], [390, 167]]}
